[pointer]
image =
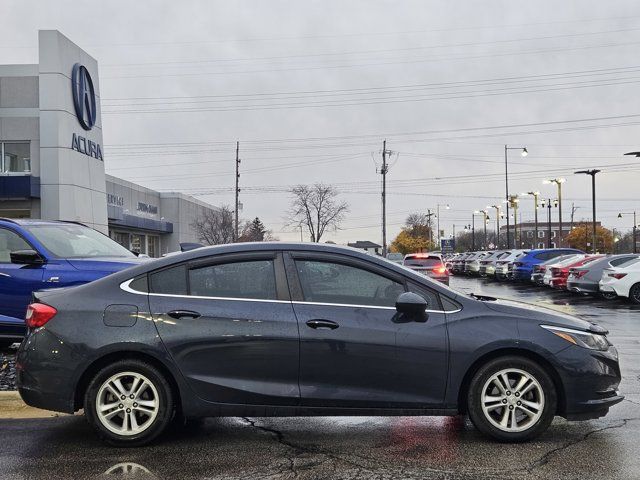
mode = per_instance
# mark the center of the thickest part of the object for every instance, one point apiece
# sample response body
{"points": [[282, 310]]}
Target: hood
{"points": [[105, 264], [541, 315]]}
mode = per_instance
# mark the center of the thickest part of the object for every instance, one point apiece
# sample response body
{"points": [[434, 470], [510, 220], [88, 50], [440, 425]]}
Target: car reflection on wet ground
{"points": [[359, 447]]}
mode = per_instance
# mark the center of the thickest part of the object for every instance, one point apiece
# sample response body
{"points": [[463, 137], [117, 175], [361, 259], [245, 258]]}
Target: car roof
{"points": [[35, 221]]}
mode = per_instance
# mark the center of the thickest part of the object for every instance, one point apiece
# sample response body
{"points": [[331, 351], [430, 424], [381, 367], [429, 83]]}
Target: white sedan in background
{"points": [[623, 280]]}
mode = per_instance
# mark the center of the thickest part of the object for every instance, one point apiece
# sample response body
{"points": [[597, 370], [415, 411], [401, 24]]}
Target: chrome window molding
{"points": [[126, 287]]}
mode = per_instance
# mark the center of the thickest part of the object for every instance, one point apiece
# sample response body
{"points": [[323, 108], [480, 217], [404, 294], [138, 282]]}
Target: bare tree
{"points": [[316, 208], [215, 227]]}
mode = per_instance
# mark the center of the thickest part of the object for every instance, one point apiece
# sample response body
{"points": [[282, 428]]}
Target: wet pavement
{"points": [[381, 448]]}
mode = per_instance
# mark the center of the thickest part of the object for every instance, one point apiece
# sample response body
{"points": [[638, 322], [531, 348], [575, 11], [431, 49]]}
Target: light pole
{"points": [[473, 222], [593, 202], [486, 220], [497, 207], [549, 203], [558, 182], [513, 201], [635, 227], [446, 205], [524, 153], [535, 196], [429, 215]]}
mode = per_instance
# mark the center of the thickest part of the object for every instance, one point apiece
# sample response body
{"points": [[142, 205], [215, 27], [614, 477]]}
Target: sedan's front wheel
{"points": [[129, 403], [512, 399]]}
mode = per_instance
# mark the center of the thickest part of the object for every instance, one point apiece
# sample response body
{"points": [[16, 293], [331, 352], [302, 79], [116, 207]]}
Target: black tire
{"points": [[165, 409], [634, 294], [484, 424], [609, 295]]}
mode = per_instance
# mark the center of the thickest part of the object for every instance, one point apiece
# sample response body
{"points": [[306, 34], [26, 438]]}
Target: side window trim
{"points": [[282, 290]]}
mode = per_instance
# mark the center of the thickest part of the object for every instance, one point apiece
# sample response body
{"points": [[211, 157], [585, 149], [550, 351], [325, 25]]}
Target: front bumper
{"points": [[590, 379]]}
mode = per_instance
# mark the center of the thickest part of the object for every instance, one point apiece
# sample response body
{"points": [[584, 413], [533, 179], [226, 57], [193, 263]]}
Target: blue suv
{"points": [[41, 254], [523, 266]]}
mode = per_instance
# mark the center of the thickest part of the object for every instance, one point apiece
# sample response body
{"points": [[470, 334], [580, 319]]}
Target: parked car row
{"points": [[609, 276]]}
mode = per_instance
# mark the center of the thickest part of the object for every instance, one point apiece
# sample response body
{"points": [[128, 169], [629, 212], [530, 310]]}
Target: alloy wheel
{"points": [[512, 400], [127, 403]]}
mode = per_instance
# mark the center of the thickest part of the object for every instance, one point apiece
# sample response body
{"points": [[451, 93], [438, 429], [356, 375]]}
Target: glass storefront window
{"points": [[16, 157], [153, 244], [138, 243]]}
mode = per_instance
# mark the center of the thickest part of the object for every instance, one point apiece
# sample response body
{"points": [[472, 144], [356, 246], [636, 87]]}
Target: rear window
{"points": [[619, 261], [629, 263], [422, 261]]}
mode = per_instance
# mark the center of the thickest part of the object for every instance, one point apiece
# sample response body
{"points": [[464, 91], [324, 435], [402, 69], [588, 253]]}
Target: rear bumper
{"points": [[582, 287], [521, 274], [42, 381]]}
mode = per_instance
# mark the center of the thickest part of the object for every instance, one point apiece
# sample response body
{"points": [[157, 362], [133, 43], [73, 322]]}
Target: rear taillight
{"points": [[618, 276], [441, 269], [38, 314], [579, 273], [517, 264]]}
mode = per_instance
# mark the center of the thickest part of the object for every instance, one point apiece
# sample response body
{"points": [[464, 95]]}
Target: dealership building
{"points": [[52, 156]]}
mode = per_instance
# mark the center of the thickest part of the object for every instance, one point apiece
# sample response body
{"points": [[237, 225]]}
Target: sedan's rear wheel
{"points": [[129, 403], [512, 399]]}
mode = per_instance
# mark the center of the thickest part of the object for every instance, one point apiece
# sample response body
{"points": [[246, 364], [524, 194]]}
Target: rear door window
{"points": [[244, 279]]}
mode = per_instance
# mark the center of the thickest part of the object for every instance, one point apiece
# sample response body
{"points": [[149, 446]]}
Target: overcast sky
{"points": [[311, 89]]}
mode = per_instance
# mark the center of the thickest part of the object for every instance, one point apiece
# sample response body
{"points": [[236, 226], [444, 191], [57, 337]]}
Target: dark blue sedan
{"points": [[278, 329], [37, 254]]}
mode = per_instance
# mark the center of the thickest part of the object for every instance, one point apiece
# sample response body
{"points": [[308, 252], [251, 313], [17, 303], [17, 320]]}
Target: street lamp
{"points": [[524, 153], [535, 196], [497, 207], [473, 228], [512, 201], [635, 227], [593, 201], [548, 203], [485, 215], [446, 205], [558, 182]]}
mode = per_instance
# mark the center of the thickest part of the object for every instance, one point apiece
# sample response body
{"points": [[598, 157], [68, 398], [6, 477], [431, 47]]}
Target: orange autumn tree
{"points": [[415, 236], [582, 234]]}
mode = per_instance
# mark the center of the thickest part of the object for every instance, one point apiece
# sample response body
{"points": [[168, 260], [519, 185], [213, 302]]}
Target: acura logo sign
{"points": [[84, 96]]}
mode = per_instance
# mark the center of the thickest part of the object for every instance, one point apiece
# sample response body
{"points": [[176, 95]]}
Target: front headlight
{"points": [[589, 340]]}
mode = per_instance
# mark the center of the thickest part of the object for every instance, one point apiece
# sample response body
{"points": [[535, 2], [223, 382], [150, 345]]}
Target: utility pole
{"points": [[236, 231], [383, 172]]}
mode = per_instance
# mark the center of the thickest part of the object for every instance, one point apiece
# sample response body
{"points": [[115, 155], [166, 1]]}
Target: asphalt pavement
{"points": [[358, 447]]}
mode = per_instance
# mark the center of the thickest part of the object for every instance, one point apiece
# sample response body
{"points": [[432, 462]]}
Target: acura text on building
{"points": [[82, 145]]}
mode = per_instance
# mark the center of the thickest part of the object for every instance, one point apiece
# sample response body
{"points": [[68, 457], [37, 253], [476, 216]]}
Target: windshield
{"points": [[77, 241]]}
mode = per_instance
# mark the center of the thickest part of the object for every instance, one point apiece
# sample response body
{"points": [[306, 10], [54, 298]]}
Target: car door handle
{"points": [[323, 324], [183, 314]]}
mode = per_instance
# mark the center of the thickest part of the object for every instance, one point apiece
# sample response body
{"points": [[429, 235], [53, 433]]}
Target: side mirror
{"points": [[409, 303], [26, 257]]}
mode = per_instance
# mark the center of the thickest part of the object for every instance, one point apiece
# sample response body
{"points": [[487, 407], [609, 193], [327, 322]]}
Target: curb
{"points": [[12, 407]]}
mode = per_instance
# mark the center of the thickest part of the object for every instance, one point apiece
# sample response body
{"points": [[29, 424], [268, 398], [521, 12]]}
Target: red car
{"points": [[559, 274]]}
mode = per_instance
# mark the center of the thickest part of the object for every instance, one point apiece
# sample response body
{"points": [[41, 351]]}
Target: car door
{"points": [[355, 349], [229, 325], [17, 282]]}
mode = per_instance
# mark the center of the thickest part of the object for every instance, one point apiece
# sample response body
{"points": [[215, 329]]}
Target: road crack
{"points": [[300, 449], [547, 456]]}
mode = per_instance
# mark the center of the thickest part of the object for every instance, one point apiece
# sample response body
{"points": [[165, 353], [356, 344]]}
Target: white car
{"points": [[623, 280], [501, 271]]}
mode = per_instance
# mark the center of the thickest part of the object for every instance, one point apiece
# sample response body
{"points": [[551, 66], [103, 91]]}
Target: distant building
{"points": [[367, 246], [526, 233]]}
